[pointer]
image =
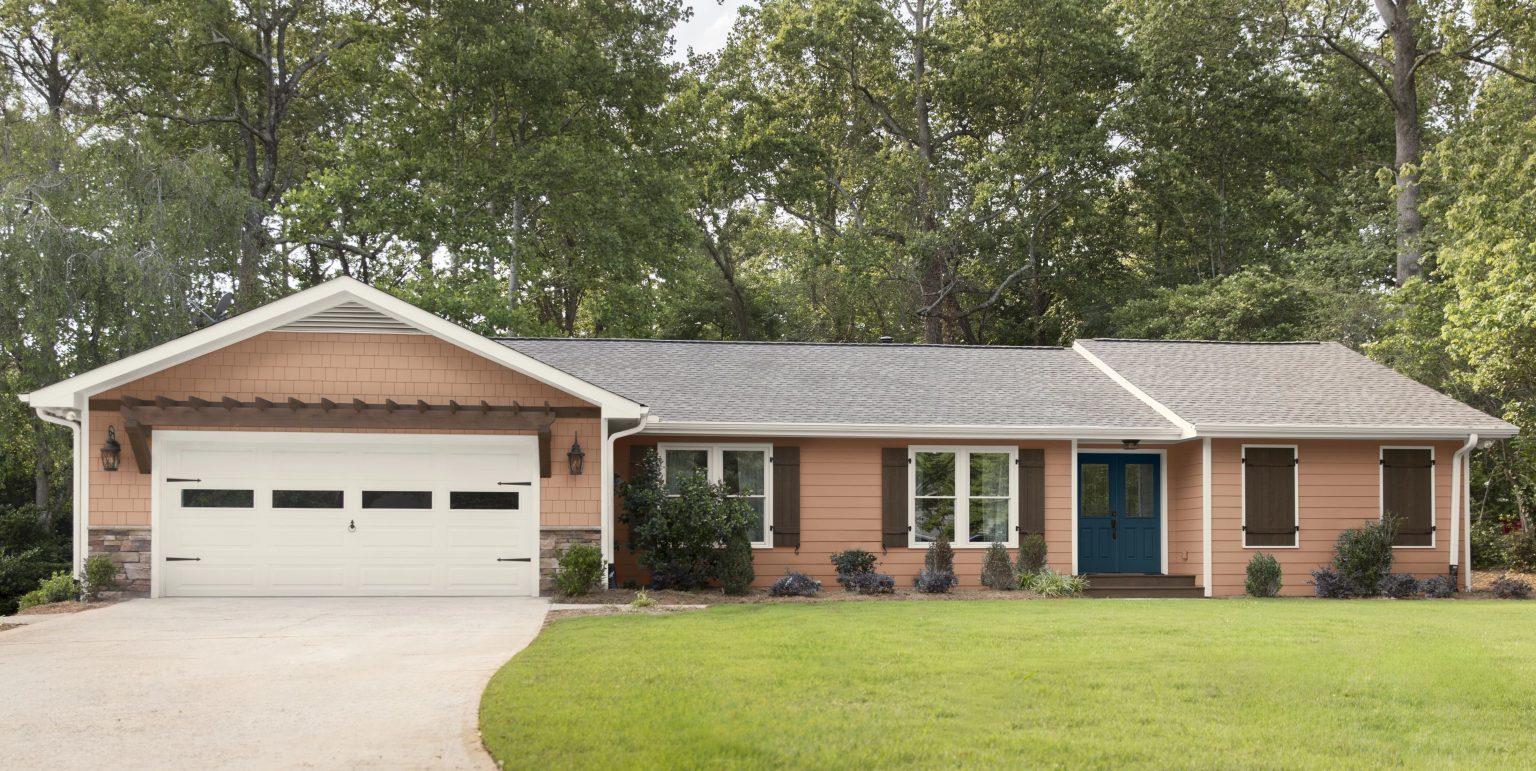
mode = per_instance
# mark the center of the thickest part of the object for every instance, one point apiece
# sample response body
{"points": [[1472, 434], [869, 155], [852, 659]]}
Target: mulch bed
{"points": [[1482, 580], [63, 607], [833, 593]]}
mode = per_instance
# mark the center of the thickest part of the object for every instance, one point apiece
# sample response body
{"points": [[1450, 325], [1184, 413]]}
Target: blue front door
{"points": [[1119, 513]]}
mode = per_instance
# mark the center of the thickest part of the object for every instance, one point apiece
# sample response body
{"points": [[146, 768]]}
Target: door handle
{"points": [[352, 526], [1114, 529], [514, 559]]}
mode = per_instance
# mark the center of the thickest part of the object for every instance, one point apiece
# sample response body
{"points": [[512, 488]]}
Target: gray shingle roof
{"points": [[862, 384], [1283, 384]]}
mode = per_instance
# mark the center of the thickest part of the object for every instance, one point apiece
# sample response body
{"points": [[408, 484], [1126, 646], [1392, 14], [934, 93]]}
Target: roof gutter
{"points": [[606, 517], [1461, 495], [1303, 431], [911, 431]]}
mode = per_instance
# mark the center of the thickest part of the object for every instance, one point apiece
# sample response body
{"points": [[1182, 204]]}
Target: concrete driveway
{"points": [[257, 683]]}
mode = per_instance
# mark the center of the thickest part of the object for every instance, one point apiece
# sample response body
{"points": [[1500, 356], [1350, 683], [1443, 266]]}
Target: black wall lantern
{"points": [[576, 458], [111, 452]]}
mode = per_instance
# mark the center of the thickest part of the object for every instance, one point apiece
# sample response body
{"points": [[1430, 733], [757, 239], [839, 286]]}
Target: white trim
{"points": [[605, 467], [715, 470], [962, 495], [1163, 513], [78, 545], [157, 473], [71, 392], [1186, 429], [660, 427], [1073, 486], [1298, 431], [1461, 491], [1381, 491], [1466, 497], [1296, 494], [1206, 505]]}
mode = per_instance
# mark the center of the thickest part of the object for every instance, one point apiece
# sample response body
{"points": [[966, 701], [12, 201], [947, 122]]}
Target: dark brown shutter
{"points": [[786, 496], [1031, 491], [1407, 484], [893, 497], [1269, 484], [637, 452]]}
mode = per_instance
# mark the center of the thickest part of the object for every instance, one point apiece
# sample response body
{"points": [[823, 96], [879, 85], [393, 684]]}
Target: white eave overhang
{"points": [[1294, 431], [72, 394], [662, 427]]}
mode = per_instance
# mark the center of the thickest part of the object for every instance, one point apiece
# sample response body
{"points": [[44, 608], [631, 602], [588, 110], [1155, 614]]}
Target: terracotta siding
{"points": [[1340, 488], [840, 509], [373, 367], [1186, 510]]}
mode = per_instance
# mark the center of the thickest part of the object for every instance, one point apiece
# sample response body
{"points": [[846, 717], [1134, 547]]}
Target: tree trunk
{"points": [[932, 281], [1408, 133], [253, 243]]}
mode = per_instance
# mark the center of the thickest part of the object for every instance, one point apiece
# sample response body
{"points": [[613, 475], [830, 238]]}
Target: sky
{"points": [[706, 31]]}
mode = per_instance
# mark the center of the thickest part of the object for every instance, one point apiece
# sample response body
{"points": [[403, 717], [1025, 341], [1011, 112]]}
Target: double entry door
{"points": [[1119, 516]]}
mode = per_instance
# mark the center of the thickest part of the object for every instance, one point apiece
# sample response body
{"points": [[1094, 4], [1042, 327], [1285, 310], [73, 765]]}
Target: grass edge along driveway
{"points": [[1235, 683]]}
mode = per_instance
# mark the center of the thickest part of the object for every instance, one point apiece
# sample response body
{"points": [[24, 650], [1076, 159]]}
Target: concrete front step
{"points": [[1121, 580], [1145, 592]]}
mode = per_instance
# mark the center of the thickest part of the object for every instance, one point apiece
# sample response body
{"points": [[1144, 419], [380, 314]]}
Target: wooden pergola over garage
{"points": [[142, 416]]}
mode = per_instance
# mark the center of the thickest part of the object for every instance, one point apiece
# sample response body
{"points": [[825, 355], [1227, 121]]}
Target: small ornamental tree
{"points": [[685, 540], [1363, 555], [996, 571], [1032, 553], [940, 556], [1264, 576]]}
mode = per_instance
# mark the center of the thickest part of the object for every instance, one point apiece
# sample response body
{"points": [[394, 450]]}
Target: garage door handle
{"points": [[181, 479], [519, 484], [514, 559], [183, 559]]}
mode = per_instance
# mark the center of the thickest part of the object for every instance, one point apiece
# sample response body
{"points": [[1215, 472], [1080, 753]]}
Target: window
{"points": [[964, 495], [1408, 491], [482, 501], [1271, 517], [218, 499], [744, 470], [308, 499], [397, 499]]}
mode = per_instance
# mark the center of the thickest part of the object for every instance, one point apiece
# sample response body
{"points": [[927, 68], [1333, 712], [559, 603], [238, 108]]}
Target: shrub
{"points": [[34, 544], [60, 587], [1363, 555], [940, 557], [1264, 576], [1437, 587], [795, 585], [1049, 583], [100, 575], [936, 581], [1520, 551], [1326, 582], [853, 562], [642, 600], [1506, 588], [736, 564], [577, 569], [683, 539], [1488, 542], [1032, 553], [1399, 586], [996, 571], [870, 583]]}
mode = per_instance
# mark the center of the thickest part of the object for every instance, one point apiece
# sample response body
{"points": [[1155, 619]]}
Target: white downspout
{"points": [[1461, 490], [607, 486], [71, 420]]}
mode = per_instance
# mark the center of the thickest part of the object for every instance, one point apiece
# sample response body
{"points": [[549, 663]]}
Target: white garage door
{"points": [[317, 514]]}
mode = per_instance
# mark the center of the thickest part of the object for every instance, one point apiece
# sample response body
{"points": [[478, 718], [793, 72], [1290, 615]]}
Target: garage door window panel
{"points": [[218, 499], [308, 499], [397, 499], [483, 501]]}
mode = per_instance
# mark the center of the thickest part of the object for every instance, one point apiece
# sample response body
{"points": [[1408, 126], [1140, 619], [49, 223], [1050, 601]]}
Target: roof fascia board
{"points": [[900, 431], [1186, 429], [73, 392], [1293, 431]]}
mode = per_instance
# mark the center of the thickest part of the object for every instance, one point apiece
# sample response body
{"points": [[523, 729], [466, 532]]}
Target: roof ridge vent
{"points": [[350, 317]]}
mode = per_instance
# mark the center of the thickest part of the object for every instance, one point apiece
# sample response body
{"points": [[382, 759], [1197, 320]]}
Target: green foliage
{"points": [[1264, 576], [578, 568], [60, 587], [1049, 583], [642, 600], [735, 571], [684, 540], [935, 581], [1488, 545], [100, 575], [1400, 586], [795, 585], [1437, 587], [1032, 554], [851, 564], [1520, 551], [996, 571], [1363, 555], [940, 556], [1510, 588], [32, 548]]}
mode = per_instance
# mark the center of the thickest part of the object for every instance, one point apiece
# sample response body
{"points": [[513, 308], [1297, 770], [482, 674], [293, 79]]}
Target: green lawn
{"points": [[1078, 683]]}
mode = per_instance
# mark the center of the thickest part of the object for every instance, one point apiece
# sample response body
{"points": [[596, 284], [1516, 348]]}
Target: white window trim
{"points": [[1295, 496], [715, 470], [963, 502], [1381, 491]]}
